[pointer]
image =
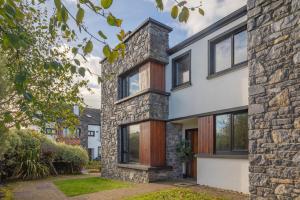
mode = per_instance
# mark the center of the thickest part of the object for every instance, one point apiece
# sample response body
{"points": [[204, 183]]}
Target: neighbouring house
{"points": [[232, 90], [87, 133]]}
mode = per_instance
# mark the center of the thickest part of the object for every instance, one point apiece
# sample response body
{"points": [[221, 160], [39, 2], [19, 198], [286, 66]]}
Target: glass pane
{"points": [[240, 141], [223, 55], [182, 70], [240, 47], [134, 142], [133, 83], [223, 132]]}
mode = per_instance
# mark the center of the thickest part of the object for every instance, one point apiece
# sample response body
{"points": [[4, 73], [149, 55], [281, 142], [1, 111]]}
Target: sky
{"points": [[133, 13]]}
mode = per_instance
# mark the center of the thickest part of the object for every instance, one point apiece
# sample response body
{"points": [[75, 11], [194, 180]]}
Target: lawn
{"points": [[175, 194], [74, 187]]}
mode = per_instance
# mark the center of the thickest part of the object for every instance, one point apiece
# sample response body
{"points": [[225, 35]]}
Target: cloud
{"points": [[214, 10], [92, 98]]}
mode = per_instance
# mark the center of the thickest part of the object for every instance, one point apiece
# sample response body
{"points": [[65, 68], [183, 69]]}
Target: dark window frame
{"points": [[231, 151], [124, 155], [91, 133], [174, 60], [211, 51], [124, 83]]}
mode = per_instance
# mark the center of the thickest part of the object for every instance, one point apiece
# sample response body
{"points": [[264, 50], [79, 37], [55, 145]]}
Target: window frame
{"points": [[211, 51], [125, 156], [174, 60], [124, 83], [231, 151], [91, 135]]}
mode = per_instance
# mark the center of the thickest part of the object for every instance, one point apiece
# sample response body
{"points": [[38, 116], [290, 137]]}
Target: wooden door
{"points": [[192, 136]]}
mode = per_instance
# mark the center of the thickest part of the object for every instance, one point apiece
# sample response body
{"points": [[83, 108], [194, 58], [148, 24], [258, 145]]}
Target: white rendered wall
{"points": [[226, 91], [94, 142], [230, 174]]}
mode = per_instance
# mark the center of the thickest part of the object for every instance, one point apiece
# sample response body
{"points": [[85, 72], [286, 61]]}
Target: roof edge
{"points": [[215, 26]]}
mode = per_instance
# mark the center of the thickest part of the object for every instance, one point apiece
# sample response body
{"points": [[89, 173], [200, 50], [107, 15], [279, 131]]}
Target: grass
{"points": [[175, 194], [8, 195], [74, 187]]}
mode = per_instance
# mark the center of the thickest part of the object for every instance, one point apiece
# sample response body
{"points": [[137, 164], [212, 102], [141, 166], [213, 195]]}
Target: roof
{"points": [[215, 26], [143, 24], [90, 116]]}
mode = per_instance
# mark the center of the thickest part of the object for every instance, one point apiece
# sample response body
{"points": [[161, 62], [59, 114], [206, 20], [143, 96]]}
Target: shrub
{"points": [[30, 155], [75, 156]]}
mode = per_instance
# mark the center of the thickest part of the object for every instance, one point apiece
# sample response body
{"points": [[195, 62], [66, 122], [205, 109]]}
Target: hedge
{"points": [[26, 154]]}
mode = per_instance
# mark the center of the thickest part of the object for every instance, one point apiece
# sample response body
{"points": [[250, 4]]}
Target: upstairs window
{"points": [[231, 133], [91, 133], [182, 69], [130, 84], [130, 143], [228, 51]]}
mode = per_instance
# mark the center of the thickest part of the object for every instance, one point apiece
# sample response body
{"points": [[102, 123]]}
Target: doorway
{"points": [[191, 135]]}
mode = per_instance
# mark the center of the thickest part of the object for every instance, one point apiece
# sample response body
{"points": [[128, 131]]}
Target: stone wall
{"points": [[148, 42], [274, 98]]}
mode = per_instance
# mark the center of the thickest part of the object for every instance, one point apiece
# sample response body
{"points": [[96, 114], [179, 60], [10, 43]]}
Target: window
{"points": [[50, 131], [231, 133], [228, 51], [91, 133], [181, 69], [78, 132], [130, 84], [130, 143]]}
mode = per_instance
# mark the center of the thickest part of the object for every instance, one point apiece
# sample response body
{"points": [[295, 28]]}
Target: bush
{"points": [[93, 166], [30, 155]]}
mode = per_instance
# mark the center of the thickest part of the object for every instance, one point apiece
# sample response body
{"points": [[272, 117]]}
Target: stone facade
{"points": [[147, 43], [274, 98]]}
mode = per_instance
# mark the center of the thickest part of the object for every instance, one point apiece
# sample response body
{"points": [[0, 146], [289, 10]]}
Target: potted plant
{"points": [[184, 153]]}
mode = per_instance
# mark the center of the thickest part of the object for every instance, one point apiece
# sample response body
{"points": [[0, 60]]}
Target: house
{"points": [[87, 133], [231, 90]]}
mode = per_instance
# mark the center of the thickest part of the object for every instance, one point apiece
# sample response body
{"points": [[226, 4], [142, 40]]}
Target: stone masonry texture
{"points": [[150, 41], [274, 99]]}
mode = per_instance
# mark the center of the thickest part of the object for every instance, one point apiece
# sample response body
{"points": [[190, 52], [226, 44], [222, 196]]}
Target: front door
{"points": [[192, 136]]}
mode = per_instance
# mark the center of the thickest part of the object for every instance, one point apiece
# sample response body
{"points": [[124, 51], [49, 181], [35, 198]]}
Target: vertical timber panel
{"points": [[205, 135]]}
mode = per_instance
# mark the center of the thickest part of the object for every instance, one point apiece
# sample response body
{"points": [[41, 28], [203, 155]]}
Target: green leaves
{"points": [[184, 15], [113, 21], [88, 47], [174, 12], [102, 35], [106, 51], [81, 71], [57, 4], [159, 4], [79, 16], [106, 3], [201, 11], [64, 14]]}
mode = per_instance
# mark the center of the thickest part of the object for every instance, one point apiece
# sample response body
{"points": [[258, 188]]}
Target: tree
{"points": [[37, 77]]}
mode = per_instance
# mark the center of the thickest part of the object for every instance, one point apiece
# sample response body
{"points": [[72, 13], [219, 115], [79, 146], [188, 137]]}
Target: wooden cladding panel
{"points": [[205, 135], [158, 143], [152, 76], [157, 74], [144, 143], [144, 80], [152, 143]]}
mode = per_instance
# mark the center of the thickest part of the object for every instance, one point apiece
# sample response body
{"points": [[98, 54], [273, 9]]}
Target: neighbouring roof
{"points": [[90, 116], [215, 26]]}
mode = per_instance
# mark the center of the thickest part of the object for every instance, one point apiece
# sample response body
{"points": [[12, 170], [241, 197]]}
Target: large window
{"points": [[182, 69], [228, 51], [130, 143], [231, 133], [130, 84]]}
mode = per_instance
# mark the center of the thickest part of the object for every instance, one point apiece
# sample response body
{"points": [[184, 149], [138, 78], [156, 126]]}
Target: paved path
{"points": [[46, 190]]}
